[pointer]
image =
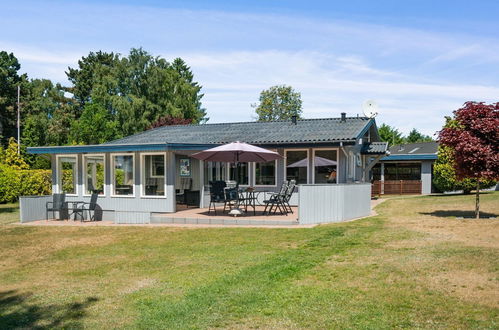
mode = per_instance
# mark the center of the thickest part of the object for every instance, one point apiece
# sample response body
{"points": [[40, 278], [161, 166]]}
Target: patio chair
{"points": [[58, 204], [184, 187], [217, 194], [89, 207], [287, 197], [276, 200]]}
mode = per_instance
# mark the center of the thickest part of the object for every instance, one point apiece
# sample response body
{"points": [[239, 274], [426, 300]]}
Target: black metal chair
{"points": [[58, 204], [287, 197], [88, 207], [275, 200], [217, 194]]}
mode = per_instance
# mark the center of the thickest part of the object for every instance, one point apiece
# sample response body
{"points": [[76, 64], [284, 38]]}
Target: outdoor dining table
{"points": [[249, 198], [75, 209]]}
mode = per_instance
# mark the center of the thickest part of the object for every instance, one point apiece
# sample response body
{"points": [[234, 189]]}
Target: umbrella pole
{"points": [[236, 210]]}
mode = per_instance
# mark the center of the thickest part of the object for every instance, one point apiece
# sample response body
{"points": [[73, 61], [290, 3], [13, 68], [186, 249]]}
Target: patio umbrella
{"points": [[318, 161], [236, 152]]}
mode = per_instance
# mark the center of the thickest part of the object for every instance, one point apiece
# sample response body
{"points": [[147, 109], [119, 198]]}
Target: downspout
{"points": [[346, 162]]}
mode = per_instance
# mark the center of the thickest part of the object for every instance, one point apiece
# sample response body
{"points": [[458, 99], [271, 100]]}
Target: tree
{"points": [[136, 90], [278, 103], [11, 158], [93, 127], [444, 174], [170, 121], [415, 136], [390, 134], [472, 137], [9, 80]]}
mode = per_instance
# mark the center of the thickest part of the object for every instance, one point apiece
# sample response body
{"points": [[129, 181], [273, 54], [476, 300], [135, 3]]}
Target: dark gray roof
{"points": [[374, 148], [414, 148], [273, 132]]}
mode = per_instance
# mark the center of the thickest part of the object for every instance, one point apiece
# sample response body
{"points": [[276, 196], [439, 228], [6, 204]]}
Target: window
{"points": [[325, 166], [123, 179], [153, 180], [214, 171], [93, 176], [67, 173], [402, 171], [242, 178], [265, 173], [297, 166], [157, 166]]}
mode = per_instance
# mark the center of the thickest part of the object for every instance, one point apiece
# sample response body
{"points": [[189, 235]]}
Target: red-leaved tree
{"points": [[169, 121], [473, 137]]}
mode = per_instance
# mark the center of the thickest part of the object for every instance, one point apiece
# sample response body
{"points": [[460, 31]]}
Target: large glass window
{"points": [[325, 166], [93, 179], [402, 171], [214, 171], [154, 175], [67, 173], [123, 175], [265, 174], [297, 166], [242, 178]]}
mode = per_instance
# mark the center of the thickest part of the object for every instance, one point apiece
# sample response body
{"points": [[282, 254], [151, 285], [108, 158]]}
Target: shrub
{"points": [[445, 178], [15, 183], [9, 184], [35, 182]]}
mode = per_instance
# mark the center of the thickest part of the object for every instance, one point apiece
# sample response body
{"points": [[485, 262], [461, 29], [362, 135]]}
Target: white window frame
{"points": [[111, 184], [143, 174], [286, 166], [59, 173], [84, 173], [337, 163], [275, 174], [218, 170]]}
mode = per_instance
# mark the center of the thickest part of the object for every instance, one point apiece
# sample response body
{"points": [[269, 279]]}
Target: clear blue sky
{"points": [[418, 59]]}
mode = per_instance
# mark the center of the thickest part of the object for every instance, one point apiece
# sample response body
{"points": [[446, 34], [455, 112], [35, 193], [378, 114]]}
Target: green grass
{"points": [[412, 266]]}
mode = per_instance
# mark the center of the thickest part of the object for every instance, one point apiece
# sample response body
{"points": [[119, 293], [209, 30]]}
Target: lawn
{"points": [[414, 265]]}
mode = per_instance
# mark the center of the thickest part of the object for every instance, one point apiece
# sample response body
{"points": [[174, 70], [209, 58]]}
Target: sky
{"points": [[419, 60]]}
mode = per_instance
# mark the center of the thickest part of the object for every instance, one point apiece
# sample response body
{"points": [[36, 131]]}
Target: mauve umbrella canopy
{"points": [[318, 161], [237, 152]]}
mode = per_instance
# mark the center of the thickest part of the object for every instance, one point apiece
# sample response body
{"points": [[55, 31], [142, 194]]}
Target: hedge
{"points": [[15, 183]]}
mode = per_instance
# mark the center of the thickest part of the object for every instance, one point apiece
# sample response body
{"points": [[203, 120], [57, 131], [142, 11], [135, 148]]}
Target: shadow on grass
{"points": [[458, 214], [8, 209], [16, 312], [472, 194]]}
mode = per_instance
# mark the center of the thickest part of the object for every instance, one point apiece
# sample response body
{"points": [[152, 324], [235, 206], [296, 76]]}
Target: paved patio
{"points": [[203, 217], [197, 218]]}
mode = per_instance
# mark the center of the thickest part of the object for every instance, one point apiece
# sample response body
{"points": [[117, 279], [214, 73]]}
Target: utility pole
{"points": [[18, 119]]}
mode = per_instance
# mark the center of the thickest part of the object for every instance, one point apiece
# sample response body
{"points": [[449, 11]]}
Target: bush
{"points": [[445, 178], [35, 182], [15, 183], [9, 184]]}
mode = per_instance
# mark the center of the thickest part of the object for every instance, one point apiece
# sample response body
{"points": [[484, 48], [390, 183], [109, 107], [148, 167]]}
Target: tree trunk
{"points": [[477, 204]]}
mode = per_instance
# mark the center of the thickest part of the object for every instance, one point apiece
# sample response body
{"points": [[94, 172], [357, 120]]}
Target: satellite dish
{"points": [[370, 108]]}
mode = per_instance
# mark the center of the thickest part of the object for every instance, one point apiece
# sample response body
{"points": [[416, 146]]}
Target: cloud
{"points": [[416, 75]]}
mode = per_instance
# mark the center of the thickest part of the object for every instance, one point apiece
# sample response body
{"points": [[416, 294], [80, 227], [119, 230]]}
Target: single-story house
{"points": [[407, 169], [141, 175]]}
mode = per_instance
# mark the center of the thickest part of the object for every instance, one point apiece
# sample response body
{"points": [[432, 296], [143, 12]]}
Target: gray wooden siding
{"points": [[426, 177], [33, 208], [333, 203], [111, 205]]}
